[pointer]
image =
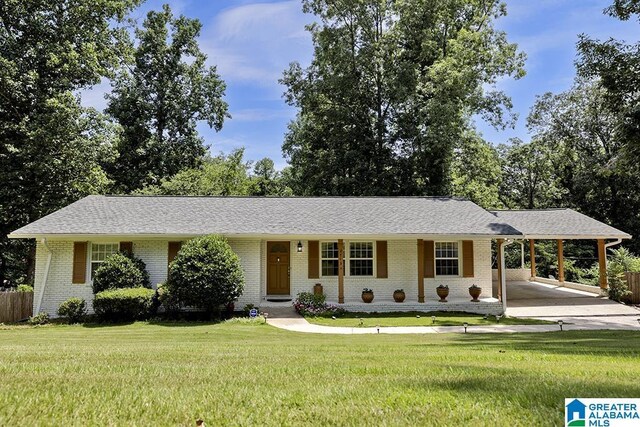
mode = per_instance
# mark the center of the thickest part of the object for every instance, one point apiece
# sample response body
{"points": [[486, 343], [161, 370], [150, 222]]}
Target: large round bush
{"points": [[205, 274], [120, 271]]}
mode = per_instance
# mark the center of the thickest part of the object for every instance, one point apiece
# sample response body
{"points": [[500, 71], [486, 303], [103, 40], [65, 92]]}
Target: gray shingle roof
{"points": [[146, 215], [558, 223]]}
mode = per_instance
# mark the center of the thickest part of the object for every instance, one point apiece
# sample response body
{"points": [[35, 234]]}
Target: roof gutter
{"points": [[46, 275]]}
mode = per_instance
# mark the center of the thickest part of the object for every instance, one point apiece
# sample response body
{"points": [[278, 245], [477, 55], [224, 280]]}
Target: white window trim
{"points": [[373, 257], [347, 258], [90, 256], [435, 259]]}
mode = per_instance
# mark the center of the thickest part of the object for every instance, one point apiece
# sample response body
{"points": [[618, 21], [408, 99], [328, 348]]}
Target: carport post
{"points": [[532, 253], [602, 263], [560, 261]]}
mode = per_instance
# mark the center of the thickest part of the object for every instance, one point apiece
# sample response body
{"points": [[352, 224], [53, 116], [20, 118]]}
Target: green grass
{"points": [[443, 318], [252, 374]]}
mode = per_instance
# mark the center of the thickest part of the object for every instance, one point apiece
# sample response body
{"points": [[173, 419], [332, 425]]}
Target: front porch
{"points": [[489, 305]]}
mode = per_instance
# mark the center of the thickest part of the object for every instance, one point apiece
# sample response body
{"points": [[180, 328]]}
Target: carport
{"points": [[559, 225]]}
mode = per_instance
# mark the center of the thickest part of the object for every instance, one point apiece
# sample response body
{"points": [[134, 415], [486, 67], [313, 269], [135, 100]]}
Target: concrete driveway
{"points": [[531, 299]]}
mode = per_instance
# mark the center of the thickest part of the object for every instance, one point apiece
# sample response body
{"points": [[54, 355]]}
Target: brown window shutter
{"points": [[429, 261], [314, 259], [126, 247], [467, 258], [174, 247], [381, 259], [79, 262]]}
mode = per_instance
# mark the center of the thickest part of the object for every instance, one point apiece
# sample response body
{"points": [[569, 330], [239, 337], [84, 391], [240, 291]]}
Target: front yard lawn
{"points": [[253, 374], [443, 318]]}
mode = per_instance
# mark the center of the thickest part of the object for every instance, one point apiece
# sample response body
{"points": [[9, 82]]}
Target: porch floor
{"points": [[485, 306]]}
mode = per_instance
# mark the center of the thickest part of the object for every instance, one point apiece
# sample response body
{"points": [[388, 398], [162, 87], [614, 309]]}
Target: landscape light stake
{"points": [[361, 321], [378, 327], [560, 324], [266, 315], [498, 317], [465, 324], [433, 319], [639, 320]]}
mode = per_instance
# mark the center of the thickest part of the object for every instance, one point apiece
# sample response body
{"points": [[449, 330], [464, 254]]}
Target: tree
{"points": [[224, 175], [591, 162], [206, 274], [159, 100], [389, 92], [49, 144], [616, 65], [476, 171], [528, 176]]}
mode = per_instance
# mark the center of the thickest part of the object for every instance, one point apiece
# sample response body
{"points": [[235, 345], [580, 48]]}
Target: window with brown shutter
{"points": [[381, 259], [174, 248], [79, 262], [314, 259], [429, 261], [126, 247], [467, 258]]}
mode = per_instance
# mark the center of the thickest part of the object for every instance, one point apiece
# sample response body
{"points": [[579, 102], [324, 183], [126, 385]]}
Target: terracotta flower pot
{"points": [[443, 293], [398, 296], [317, 289], [367, 297], [475, 293]]}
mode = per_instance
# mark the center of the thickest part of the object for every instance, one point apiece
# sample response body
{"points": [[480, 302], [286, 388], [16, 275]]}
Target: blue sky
{"points": [[253, 41]]}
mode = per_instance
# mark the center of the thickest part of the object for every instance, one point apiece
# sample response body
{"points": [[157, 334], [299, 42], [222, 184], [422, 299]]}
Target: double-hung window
{"points": [[329, 254], [361, 258], [447, 259], [100, 252]]}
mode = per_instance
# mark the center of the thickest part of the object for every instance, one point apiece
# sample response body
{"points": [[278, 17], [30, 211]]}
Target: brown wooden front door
{"points": [[278, 268]]}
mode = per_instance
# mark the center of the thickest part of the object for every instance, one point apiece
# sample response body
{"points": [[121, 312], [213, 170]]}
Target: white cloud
{"points": [[254, 43]]}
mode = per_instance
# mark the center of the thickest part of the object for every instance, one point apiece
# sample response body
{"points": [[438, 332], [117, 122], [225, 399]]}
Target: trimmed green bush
{"points": [[119, 305], [120, 271], [24, 288], [39, 319], [74, 309], [205, 274]]}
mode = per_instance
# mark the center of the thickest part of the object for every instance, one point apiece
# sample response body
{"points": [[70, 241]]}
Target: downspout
{"points": [[606, 260], [46, 275]]}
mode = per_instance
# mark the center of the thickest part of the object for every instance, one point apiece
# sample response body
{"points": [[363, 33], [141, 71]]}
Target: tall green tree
{"points": [[476, 172], [49, 144], [616, 63], [529, 180], [389, 92], [159, 100]]}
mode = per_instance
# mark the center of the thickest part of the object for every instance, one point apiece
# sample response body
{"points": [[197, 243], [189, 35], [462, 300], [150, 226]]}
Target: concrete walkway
{"points": [[288, 319]]}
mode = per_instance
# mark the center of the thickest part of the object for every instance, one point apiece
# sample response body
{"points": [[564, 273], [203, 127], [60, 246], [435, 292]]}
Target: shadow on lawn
{"points": [[606, 343]]}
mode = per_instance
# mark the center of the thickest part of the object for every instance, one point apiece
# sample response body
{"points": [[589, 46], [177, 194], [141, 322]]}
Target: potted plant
{"points": [[317, 289], [398, 295], [475, 292], [443, 292], [367, 295]]}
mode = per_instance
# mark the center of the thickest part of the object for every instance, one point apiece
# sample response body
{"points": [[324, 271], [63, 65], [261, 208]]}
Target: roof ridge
{"points": [[276, 197]]}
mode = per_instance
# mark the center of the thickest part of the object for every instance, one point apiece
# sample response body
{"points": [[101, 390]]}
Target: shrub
{"points": [[123, 304], [24, 288], [39, 319], [618, 289], [74, 309], [308, 304], [205, 274], [120, 271]]}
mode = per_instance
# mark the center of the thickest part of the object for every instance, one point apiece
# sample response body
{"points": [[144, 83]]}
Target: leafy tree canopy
{"points": [[159, 100]]}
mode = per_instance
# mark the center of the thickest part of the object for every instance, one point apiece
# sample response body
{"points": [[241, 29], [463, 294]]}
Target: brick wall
{"points": [[402, 268]]}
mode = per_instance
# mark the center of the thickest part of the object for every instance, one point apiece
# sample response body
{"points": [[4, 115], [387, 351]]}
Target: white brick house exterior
{"points": [[423, 242]]}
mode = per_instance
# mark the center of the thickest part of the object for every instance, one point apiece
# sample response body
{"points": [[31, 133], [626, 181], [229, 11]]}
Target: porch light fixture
{"points": [[465, 324], [560, 324], [299, 246]]}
